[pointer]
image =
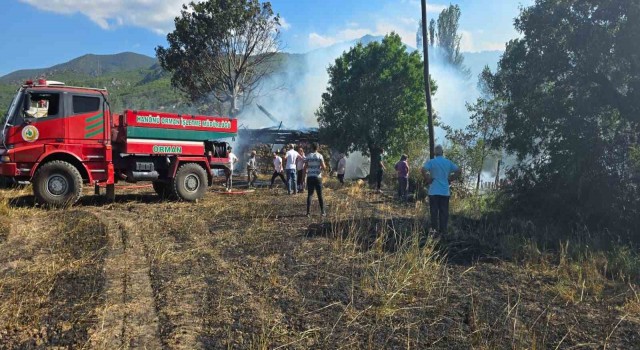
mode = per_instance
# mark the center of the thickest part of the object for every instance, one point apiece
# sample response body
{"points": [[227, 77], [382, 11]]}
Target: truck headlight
{"points": [[5, 159]]}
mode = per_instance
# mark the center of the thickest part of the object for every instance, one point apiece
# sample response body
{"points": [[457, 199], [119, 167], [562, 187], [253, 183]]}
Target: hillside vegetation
{"points": [[134, 81]]}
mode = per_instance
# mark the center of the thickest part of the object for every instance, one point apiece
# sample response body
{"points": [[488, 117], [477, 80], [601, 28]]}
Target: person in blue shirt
{"points": [[438, 172]]}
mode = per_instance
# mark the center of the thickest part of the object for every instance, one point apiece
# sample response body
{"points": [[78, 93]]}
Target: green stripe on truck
{"points": [[94, 125], [94, 118], [94, 133], [175, 134]]}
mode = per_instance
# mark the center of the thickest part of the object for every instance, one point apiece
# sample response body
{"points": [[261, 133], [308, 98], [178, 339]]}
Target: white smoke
{"points": [[455, 90], [293, 94]]}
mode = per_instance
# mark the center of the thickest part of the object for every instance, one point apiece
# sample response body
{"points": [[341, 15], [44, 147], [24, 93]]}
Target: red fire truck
{"points": [[60, 137]]}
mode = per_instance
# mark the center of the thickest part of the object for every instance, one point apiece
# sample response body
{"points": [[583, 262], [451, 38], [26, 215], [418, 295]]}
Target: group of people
{"points": [[301, 169], [297, 170]]}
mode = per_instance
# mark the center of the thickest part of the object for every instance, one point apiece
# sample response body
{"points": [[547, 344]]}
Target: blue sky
{"points": [[41, 33]]}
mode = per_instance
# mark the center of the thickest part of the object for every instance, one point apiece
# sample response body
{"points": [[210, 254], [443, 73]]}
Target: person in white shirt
{"points": [[228, 172], [342, 168], [292, 157], [277, 169], [300, 169], [314, 165]]}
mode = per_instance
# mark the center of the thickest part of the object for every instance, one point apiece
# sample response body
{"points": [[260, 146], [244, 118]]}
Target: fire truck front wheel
{"points": [[190, 182], [57, 183]]}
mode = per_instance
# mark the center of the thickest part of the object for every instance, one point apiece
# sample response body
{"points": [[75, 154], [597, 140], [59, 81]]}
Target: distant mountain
{"points": [[89, 65]]}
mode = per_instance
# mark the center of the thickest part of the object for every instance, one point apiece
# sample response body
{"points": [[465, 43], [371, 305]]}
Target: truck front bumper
{"points": [[9, 169]]}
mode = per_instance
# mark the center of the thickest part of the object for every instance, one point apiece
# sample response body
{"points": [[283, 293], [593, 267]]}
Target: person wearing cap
{"points": [[252, 169], [438, 172]]}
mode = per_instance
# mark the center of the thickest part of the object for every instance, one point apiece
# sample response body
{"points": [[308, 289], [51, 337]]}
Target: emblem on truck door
{"points": [[30, 133]]}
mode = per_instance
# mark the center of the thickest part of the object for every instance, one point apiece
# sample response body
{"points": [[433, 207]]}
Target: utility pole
{"points": [[427, 81]]}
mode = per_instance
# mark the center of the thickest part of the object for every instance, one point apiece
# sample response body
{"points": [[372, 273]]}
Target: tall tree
{"points": [[572, 87], [375, 100], [220, 50], [432, 32], [419, 36], [448, 37]]}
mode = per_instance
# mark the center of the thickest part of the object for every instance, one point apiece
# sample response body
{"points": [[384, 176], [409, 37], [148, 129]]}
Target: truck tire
{"points": [[190, 182], [57, 184], [163, 189]]}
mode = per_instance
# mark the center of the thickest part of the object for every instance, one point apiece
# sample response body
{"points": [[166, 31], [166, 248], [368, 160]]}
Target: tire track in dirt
{"points": [[177, 290], [129, 318], [178, 269]]}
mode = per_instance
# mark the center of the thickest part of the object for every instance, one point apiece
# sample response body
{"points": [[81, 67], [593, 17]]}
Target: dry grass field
{"points": [[253, 272]]}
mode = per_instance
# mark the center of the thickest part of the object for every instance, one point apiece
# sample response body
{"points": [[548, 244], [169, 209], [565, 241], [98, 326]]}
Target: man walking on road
{"points": [[314, 165], [291, 158], [438, 172], [277, 169]]}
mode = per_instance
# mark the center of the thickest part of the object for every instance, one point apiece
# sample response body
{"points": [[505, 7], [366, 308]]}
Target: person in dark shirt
{"points": [[402, 168]]}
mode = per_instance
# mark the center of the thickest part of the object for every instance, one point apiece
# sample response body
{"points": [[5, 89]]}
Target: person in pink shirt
{"points": [[402, 168]]}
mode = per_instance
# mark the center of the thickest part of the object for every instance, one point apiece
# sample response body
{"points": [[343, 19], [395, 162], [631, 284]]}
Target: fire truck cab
{"points": [[60, 138]]}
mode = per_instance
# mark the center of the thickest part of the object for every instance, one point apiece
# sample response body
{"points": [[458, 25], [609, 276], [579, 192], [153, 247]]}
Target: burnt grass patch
{"points": [[62, 313], [77, 291], [391, 234], [251, 272]]}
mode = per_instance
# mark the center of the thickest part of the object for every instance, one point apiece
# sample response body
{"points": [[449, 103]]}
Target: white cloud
{"points": [[466, 43], [316, 40], [284, 24], [405, 27], [407, 32], [435, 8], [469, 43], [156, 15]]}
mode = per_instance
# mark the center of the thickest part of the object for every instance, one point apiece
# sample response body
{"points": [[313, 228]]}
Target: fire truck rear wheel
{"points": [[190, 182], [57, 183]]}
